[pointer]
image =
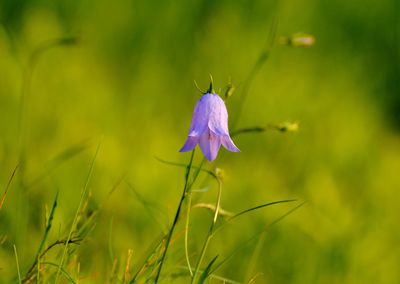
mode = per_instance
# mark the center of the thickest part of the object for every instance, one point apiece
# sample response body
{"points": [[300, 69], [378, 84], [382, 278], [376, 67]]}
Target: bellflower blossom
{"points": [[209, 127]]}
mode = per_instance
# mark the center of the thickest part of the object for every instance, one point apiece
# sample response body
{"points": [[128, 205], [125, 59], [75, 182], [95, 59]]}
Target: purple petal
{"points": [[190, 143], [200, 117], [218, 116], [209, 144], [228, 144]]}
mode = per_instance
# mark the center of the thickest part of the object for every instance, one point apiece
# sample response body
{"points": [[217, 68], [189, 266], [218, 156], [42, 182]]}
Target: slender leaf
{"points": [[206, 272]]}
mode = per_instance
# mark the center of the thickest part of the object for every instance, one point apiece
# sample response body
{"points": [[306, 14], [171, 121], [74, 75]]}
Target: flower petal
{"points": [[200, 117], [190, 143], [218, 115], [228, 144], [209, 144]]}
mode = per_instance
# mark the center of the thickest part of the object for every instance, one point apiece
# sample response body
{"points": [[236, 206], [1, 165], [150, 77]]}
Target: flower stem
{"points": [[210, 232], [178, 211], [189, 205]]}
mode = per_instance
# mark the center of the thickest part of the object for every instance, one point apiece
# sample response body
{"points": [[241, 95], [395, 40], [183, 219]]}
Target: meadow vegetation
{"points": [[96, 99]]}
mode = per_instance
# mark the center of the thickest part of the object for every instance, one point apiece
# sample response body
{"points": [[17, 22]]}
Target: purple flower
{"points": [[209, 127]]}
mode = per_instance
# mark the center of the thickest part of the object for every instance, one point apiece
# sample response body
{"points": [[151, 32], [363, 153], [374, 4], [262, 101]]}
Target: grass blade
{"points": [[58, 160], [151, 208], [189, 205], [151, 257], [252, 209], [248, 241], [216, 277], [262, 58], [210, 232], [83, 194], [17, 263], [184, 166], [3, 198], [45, 235], [206, 272], [110, 246], [282, 127], [259, 207], [48, 227], [178, 210], [62, 270]]}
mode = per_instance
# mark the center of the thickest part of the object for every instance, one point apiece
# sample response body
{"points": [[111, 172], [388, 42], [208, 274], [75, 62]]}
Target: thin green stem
{"points": [[178, 211], [210, 232], [83, 194], [189, 205], [248, 241], [197, 172], [3, 198], [17, 262], [255, 255], [262, 58]]}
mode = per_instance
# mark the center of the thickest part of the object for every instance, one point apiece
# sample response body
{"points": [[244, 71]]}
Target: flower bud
{"points": [[298, 40]]}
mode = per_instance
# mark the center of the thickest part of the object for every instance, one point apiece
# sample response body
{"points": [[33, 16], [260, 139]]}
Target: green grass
{"points": [[311, 198]]}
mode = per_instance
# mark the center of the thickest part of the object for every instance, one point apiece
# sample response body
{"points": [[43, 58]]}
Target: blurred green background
{"points": [[123, 75]]}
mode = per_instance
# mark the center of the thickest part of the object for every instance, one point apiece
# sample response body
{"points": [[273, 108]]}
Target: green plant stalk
{"points": [[262, 58], [83, 194], [255, 236], [110, 246], [36, 262], [210, 232], [3, 198], [178, 211], [189, 205], [17, 263], [255, 255], [65, 273]]}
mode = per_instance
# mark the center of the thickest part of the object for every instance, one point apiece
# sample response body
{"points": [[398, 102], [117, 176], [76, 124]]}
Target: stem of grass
{"points": [[17, 262], [210, 232], [189, 205], [178, 210], [83, 194]]}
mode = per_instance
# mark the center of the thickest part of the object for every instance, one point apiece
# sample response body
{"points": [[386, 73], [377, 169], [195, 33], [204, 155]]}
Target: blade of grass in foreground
{"points": [[151, 208], [17, 263], [188, 210], [149, 261], [29, 275], [199, 168], [281, 127], [45, 235], [83, 194], [48, 227], [185, 188], [248, 241], [188, 207], [206, 272], [58, 160], [259, 207], [110, 247], [217, 277], [253, 209], [210, 232], [151, 258], [3, 198], [65, 273], [262, 58], [88, 225]]}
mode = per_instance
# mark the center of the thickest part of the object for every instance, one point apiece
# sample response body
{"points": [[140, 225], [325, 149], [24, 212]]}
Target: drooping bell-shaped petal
{"points": [[190, 143], [209, 144], [209, 127]]}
